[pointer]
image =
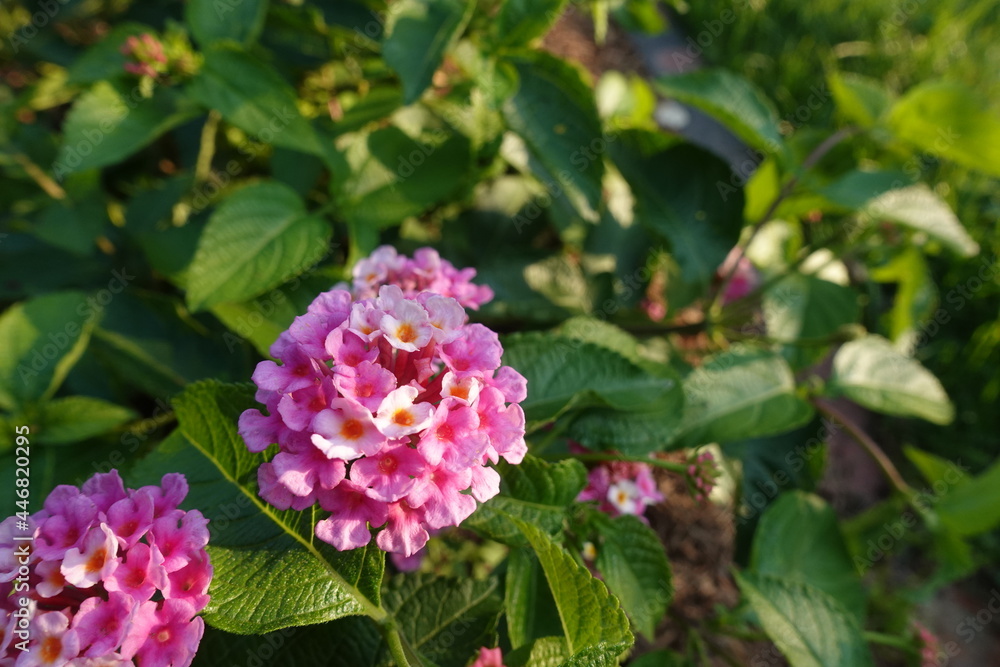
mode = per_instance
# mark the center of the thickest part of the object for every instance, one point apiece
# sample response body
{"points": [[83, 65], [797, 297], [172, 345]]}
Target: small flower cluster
{"points": [[147, 56], [426, 272], [621, 487], [113, 577], [745, 277], [930, 647], [702, 471], [488, 657], [386, 411]]}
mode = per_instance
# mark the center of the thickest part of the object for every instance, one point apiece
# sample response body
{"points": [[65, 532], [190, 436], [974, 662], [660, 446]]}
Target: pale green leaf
{"points": [[860, 99], [918, 208], [76, 418]]}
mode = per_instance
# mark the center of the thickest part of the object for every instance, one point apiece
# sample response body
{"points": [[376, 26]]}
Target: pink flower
{"points": [[620, 487], [405, 406], [489, 657], [107, 554], [702, 471], [164, 635], [745, 277]]}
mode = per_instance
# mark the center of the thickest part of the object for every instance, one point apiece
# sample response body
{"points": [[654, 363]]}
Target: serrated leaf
{"points": [[860, 99], [799, 539], [918, 208], [529, 609], [873, 373], [255, 98], [536, 491], [418, 32], [444, 620], [543, 652], [594, 625], [730, 99], [519, 22], [738, 394], [108, 123], [950, 120], [564, 373], [678, 198], [41, 339], [76, 418], [810, 628], [632, 561], [270, 573], [212, 21], [554, 112], [601, 333], [258, 238], [387, 176]]}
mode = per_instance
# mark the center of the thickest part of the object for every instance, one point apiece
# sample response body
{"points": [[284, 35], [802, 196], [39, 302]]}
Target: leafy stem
{"points": [[402, 654]]}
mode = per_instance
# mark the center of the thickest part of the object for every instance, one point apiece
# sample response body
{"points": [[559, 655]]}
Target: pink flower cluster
{"points": [[105, 576], [147, 54], [386, 411], [621, 487], [702, 471], [426, 272], [488, 657], [745, 277]]}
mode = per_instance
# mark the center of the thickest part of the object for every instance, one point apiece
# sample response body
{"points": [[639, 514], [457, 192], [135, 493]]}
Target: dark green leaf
{"points": [[538, 492], [684, 195], [522, 21], [809, 626], [529, 608], [554, 112], [418, 32], [798, 539], [632, 561], [76, 418], [270, 572], [972, 507], [255, 98], [105, 60], [212, 20], [257, 239], [730, 99], [108, 123], [41, 339]]}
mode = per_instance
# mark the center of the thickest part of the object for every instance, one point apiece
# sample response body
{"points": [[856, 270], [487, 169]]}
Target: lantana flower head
{"points": [[488, 657], [112, 576], [425, 272], [387, 411], [621, 487], [702, 473]]}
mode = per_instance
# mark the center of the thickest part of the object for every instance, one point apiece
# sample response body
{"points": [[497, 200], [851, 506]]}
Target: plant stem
{"points": [[396, 648], [44, 181], [815, 156], [869, 445], [206, 151], [680, 468], [901, 643]]}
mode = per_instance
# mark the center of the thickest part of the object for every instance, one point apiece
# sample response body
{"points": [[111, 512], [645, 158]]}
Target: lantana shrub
{"points": [[113, 576], [388, 411]]}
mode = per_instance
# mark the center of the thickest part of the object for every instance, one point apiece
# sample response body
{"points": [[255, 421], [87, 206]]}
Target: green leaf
{"points": [[110, 122], [860, 99], [519, 22], [418, 32], [543, 652], [105, 60], [529, 609], [445, 620], [212, 21], [270, 572], [76, 418], [920, 209], [593, 623], [730, 99], [949, 120], [255, 98], [536, 491], [387, 176], [601, 333], [554, 112], [808, 626], [738, 394], [972, 507], [565, 373], [804, 308], [856, 188], [873, 373], [799, 539], [683, 195], [257, 239], [632, 561], [41, 340]]}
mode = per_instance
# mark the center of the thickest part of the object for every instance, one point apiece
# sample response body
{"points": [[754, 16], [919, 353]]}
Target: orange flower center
{"points": [[50, 649], [406, 333], [403, 418], [352, 429]]}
